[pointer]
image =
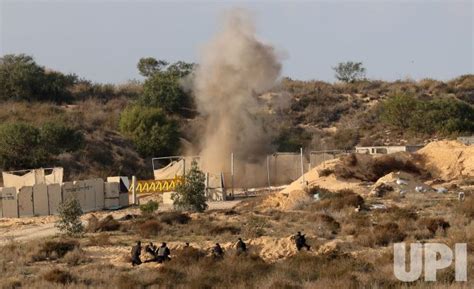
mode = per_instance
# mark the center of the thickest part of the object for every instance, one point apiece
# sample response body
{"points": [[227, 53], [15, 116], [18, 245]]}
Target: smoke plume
{"points": [[235, 67]]}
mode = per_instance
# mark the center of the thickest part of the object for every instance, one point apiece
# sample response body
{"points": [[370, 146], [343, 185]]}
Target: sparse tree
{"points": [[163, 87], [70, 217], [148, 66], [349, 71], [190, 195]]}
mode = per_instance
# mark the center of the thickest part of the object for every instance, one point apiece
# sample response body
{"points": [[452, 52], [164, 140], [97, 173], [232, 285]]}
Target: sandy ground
{"points": [[24, 229]]}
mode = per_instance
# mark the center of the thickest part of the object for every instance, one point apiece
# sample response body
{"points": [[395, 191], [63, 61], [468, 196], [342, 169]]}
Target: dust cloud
{"points": [[234, 69]]}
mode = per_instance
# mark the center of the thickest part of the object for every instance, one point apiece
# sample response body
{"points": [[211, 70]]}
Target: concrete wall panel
{"points": [[54, 176], [9, 203], [54, 197], [124, 183], [25, 202], [112, 190], [73, 190], [99, 193], [112, 203], [123, 200], [40, 200]]}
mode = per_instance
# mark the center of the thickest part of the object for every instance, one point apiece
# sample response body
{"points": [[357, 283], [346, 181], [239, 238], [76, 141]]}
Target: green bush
{"points": [[69, 221], [149, 208], [20, 146], [441, 115], [24, 146], [152, 133], [57, 138], [22, 79], [163, 87], [190, 195]]}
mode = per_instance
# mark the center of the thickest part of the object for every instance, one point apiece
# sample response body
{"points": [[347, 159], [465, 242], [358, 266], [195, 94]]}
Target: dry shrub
{"points": [[326, 221], [55, 249], [10, 283], [397, 213], [58, 276], [187, 256], [349, 160], [387, 163], [76, 257], [218, 230], [467, 207], [99, 240], [337, 200], [343, 172], [388, 233], [174, 218], [231, 212], [106, 224], [325, 172], [433, 224], [149, 228]]}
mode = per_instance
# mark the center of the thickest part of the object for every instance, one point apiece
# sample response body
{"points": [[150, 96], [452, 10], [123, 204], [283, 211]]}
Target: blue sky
{"points": [[103, 40]]}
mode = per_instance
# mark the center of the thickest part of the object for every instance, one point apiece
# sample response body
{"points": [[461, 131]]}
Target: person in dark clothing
{"points": [[136, 252], [300, 241], [163, 253], [241, 247], [217, 251], [151, 249]]}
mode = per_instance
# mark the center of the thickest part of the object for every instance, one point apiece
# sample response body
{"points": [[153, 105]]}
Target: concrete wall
{"points": [[43, 199], [9, 203], [25, 202], [387, 149], [112, 195], [40, 200], [54, 198]]}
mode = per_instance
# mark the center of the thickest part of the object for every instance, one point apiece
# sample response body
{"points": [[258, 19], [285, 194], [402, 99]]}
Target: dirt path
{"points": [[33, 228]]}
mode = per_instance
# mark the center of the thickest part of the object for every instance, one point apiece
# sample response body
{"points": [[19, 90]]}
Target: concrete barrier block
{"points": [[123, 200], [112, 203], [99, 193], [25, 202], [124, 183], [9, 203], [112, 190], [40, 200], [54, 198], [74, 190], [88, 189]]}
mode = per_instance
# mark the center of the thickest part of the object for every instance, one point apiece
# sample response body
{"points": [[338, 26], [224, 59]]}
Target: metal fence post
{"points": [[134, 190]]}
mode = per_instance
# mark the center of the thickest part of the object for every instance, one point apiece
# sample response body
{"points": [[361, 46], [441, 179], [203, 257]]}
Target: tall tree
{"points": [[349, 71]]}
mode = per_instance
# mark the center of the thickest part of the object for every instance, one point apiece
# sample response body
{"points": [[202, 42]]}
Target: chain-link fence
{"points": [[277, 169]]}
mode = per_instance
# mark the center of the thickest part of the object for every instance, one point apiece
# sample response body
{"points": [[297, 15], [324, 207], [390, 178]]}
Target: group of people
{"points": [[158, 254], [162, 254]]}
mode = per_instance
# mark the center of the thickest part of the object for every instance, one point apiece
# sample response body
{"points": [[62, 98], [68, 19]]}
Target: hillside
{"points": [[319, 115]]}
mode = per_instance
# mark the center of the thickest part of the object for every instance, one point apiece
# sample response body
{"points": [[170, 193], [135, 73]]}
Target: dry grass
{"points": [[58, 276], [51, 250]]}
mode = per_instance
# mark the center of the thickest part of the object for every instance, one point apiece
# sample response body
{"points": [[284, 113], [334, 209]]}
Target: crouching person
{"points": [[163, 253]]}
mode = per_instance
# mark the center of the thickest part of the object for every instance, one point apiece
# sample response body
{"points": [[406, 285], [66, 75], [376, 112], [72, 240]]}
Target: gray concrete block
{"points": [[112, 203], [25, 202], [112, 190], [54, 198], [99, 193], [123, 200], [40, 200], [9, 203]]}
